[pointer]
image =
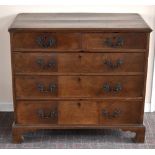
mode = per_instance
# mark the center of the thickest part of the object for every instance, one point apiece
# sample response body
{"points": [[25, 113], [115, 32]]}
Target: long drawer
{"points": [[86, 112], [72, 41], [45, 41], [115, 41], [78, 62], [78, 86]]}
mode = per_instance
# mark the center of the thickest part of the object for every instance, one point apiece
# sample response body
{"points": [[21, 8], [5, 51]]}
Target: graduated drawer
{"points": [[100, 41], [78, 86], [78, 62], [77, 112], [45, 41]]}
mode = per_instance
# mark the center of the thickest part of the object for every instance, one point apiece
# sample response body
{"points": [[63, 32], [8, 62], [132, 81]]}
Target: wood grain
{"points": [[28, 112], [97, 41], [63, 41], [128, 112], [72, 21], [78, 112], [78, 62], [78, 86]]}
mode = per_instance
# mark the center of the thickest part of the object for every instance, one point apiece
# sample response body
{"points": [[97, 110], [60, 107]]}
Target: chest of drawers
{"points": [[79, 71]]}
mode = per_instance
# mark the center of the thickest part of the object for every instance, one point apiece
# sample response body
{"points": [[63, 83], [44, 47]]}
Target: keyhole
{"points": [[79, 104], [79, 79], [80, 56]]}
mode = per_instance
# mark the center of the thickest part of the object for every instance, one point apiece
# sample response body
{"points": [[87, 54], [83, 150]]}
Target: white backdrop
{"points": [[8, 13]]}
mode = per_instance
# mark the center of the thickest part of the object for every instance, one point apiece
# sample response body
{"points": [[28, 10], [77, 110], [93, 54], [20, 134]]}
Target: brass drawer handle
{"points": [[111, 65], [107, 88], [51, 89], [114, 42], [46, 41], [114, 114], [47, 115], [41, 63]]}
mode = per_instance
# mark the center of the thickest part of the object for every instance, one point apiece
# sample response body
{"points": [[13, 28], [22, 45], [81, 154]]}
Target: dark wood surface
{"points": [[78, 112], [87, 21], [97, 41], [63, 41], [78, 86], [83, 62], [79, 71], [37, 112], [71, 41], [127, 112]]}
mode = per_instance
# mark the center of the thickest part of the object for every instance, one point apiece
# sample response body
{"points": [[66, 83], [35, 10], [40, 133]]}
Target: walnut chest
{"points": [[79, 71]]}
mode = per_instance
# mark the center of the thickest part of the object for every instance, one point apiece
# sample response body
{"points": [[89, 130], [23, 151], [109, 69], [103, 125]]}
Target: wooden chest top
{"points": [[81, 21]]}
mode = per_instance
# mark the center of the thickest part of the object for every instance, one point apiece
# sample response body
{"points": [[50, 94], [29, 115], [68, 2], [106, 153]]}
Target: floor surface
{"points": [[76, 139]]}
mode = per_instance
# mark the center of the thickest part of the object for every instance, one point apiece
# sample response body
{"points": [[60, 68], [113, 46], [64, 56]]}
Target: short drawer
{"points": [[45, 41], [78, 62], [78, 86], [100, 41], [37, 112], [114, 112]]}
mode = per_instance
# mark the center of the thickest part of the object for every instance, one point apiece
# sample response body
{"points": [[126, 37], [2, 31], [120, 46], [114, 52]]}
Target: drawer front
{"points": [[34, 87], [60, 112], [78, 112], [51, 41], [99, 41], [37, 112], [100, 86], [78, 86], [120, 112], [78, 62]]}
